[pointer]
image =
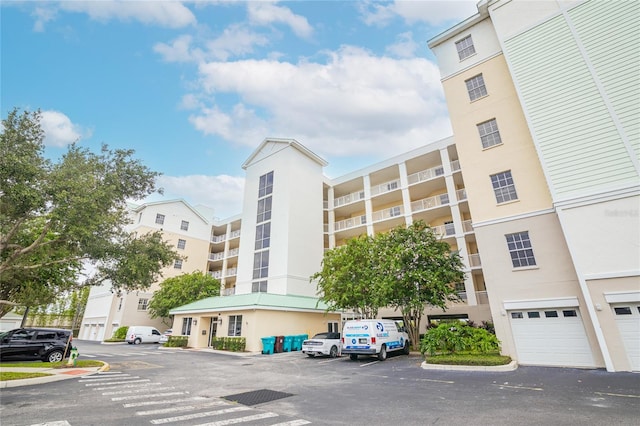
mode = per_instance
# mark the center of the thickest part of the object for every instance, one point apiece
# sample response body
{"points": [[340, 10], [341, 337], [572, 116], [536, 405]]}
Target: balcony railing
{"points": [[350, 223], [223, 237], [348, 199], [426, 175], [446, 230], [455, 165], [216, 274], [383, 188], [429, 203], [231, 272], [216, 256], [481, 297], [467, 226], [474, 260], [461, 194], [228, 291], [388, 213]]}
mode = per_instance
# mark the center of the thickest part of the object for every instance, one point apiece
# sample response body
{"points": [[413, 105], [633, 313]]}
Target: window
{"points": [[264, 210], [177, 264], [570, 313], [533, 314], [623, 311], [46, 335], [261, 264], [160, 219], [392, 185], [504, 187], [449, 228], [235, 325], [266, 185], [182, 244], [184, 225], [520, 249], [551, 314], [489, 133], [142, 304], [394, 211], [23, 335], [332, 327], [186, 326], [259, 287], [476, 87], [465, 47], [516, 315], [263, 234]]}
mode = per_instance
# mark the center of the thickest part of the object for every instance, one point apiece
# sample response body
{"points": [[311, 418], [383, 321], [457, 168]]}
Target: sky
{"points": [[194, 87]]}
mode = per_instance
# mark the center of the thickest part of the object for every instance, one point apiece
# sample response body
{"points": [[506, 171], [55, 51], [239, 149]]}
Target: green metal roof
{"points": [[253, 301]]}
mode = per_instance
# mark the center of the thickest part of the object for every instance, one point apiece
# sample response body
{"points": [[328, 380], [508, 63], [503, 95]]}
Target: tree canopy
{"points": [[180, 290], [55, 216], [406, 269]]}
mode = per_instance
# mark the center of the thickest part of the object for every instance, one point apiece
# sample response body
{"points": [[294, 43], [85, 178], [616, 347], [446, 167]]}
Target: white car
{"points": [[165, 336], [323, 344]]}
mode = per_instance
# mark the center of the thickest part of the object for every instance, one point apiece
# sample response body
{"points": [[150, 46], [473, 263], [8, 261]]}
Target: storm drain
{"points": [[256, 397]]}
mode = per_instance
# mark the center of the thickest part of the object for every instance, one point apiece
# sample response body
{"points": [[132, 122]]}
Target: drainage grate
{"points": [[256, 397]]}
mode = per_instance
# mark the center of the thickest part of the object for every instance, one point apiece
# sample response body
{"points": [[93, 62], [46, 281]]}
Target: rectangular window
{"points": [[489, 133], [476, 87], [261, 264], [263, 235], [392, 185], [142, 304], [266, 185], [465, 47], [259, 287], [570, 313], [177, 264], [516, 315], [533, 314], [160, 219], [184, 225], [182, 244], [449, 228], [264, 210], [235, 325], [503, 187], [520, 249], [332, 327], [394, 211], [186, 326], [623, 311], [551, 314]]}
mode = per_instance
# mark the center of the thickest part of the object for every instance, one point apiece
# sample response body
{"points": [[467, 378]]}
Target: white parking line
{"points": [[178, 409], [166, 401], [58, 423], [89, 356], [517, 387], [241, 419], [199, 415], [369, 363], [151, 395], [298, 422], [329, 360], [617, 394]]}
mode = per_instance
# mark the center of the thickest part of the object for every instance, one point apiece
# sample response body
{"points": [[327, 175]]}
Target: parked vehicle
{"points": [[373, 337], [137, 334], [165, 336], [323, 344], [45, 344]]}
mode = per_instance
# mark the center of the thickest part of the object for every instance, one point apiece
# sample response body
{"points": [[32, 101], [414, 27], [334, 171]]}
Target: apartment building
{"points": [[182, 225], [545, 109]]}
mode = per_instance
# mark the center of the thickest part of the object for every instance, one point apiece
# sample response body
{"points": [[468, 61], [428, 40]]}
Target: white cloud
{"points": [[223, 193], [42, 15], [236, 40], [405, 47], [433, 12], [265, 13], [170, 14], [355, 104], [179, 50], [59, 130]]}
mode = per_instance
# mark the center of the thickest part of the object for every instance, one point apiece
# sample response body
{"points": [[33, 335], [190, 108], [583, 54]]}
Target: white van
{"points": [[373, 337], [137, 334]]}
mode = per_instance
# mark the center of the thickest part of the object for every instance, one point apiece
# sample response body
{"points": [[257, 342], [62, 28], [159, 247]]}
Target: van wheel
{"points": [[137, 341], [353, 357], [333, 352], [383, 353], [406, 348]]}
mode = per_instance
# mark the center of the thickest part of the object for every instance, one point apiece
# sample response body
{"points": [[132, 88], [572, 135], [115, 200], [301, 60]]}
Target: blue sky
{"points": [[195, 87]]}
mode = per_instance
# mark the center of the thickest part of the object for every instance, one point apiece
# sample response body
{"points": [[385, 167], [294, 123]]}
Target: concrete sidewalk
{"points": [[55, 374]]}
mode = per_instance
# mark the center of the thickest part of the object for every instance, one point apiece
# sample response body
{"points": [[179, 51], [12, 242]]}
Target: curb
{"points": [[513, 365], [53, 377]]}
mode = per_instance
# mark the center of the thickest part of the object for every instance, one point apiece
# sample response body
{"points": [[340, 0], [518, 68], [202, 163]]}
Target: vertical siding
{"points": [[576, 135]]}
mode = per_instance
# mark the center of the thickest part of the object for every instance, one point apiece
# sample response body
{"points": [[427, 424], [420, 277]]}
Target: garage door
{"points": [[628, 319], [552, 337]]}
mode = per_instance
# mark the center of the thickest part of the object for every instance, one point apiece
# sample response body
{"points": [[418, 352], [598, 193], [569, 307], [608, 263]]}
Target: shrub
{"points": [[120, 333], [233, 344], [456, 336], [177, 342]]}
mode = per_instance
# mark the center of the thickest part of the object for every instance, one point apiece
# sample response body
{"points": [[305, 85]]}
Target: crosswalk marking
{"points": [[180, 408], [168, 401], [199, 415], [298, 422], [102, 379], [151, 395], [144, 389], [59, 423], [117, 383], [135, 385], [241, 419]]}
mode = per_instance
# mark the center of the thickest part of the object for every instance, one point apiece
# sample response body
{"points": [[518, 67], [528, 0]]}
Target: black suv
{"points": [[46, 344]]}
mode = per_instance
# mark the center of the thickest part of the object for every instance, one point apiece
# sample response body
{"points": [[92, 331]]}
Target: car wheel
{"points": [[353, 357], [137, 341], [383, 353], [406, 348], [333, 352], [54, 356]]}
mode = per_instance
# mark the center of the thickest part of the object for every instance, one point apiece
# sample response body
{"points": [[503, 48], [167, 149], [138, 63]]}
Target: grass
{"points": [[37, 364], [490, 359], [11, 375]]}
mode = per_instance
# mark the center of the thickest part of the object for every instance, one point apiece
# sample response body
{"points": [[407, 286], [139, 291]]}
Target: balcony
{"points": [[221, 255], [222, 238], [455, 165], [446, 230], [429, 203], [387, 213], [474, 260], [231, 272], [348, 199], [461, 194], [467, 226], [350, 223], [426, 175], [228, 291], [216, 274], [385, 187], [481, 297]]}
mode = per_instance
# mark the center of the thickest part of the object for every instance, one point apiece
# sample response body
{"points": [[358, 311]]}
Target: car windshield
{"points": [[321, 336]]}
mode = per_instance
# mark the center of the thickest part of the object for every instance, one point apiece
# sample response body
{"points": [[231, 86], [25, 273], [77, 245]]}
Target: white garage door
{"points": [[628, 319], [552, 337]]}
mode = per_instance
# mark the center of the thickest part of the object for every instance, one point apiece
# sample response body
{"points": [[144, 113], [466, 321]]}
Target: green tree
{"points": [[418, 269], [348, 281], [180, 290], [54, 216]]}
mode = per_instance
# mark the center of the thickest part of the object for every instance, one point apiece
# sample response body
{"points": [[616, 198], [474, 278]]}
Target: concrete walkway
{"points": [[55, 374]]}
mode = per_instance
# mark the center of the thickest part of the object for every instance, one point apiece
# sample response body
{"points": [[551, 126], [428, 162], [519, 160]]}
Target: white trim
{"points": [[247, 308], [471, 66], [513, 218], [622, 296], [560, 302], [614, 274]]}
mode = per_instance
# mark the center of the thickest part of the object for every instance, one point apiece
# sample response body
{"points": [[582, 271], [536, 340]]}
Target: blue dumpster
{"points": [[268, 344], [298, 339], [288, 342]]}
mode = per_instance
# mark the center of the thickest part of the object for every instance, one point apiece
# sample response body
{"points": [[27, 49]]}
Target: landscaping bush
{"points": [[120, 333], [489, 359], [177, 342], [456, 336], [233, 344]]}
